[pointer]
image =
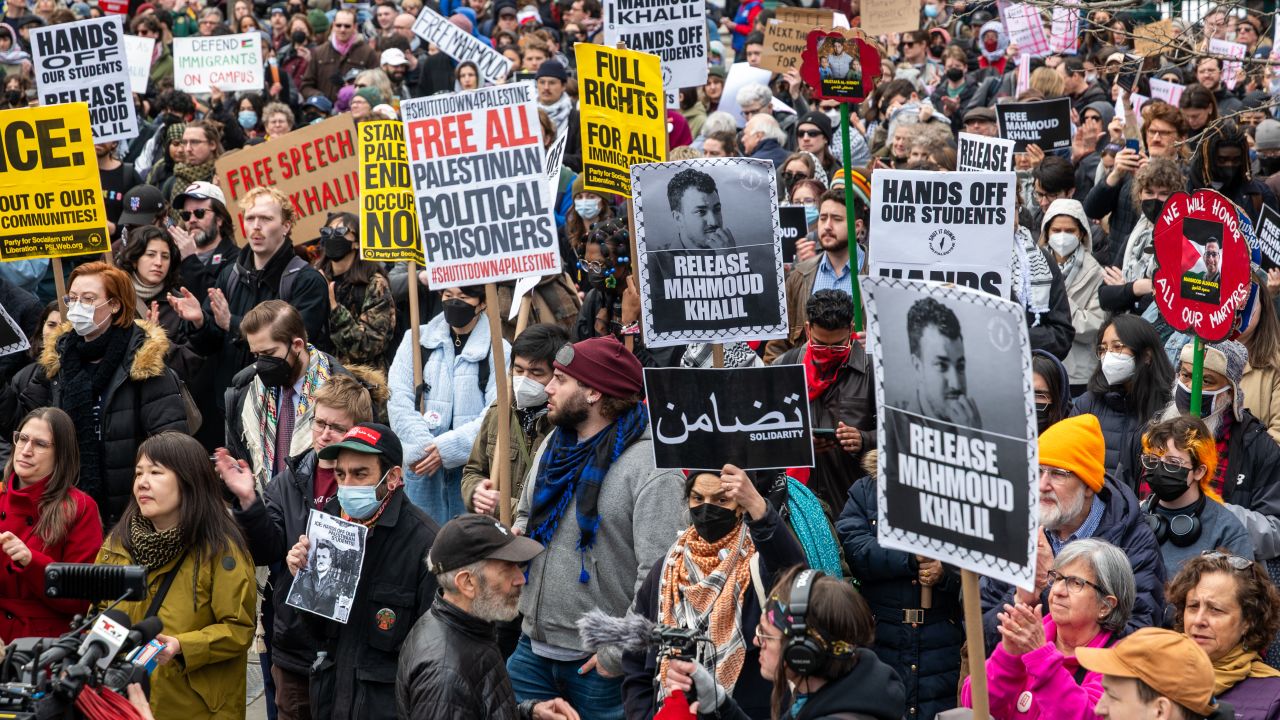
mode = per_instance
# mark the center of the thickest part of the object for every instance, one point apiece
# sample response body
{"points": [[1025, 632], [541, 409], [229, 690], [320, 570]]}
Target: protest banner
{"points": [[957, 472], [12, 339], [710, 260], [84, 62], [890, 16], [953, 227], [839, 65], [50, 193], [388, 225], [1025, 28], [784, 43], [1166, 91], [979, 153], [755, 418], [1064, 34], [740, 75], [114, 7], [1268, 234], [461, 45], [623, 112], [479, 180], [137, 51], [314, 166], [792, 227], [1151, 39], [1046, 124], [1232, 70], [335, 559], [675, 31], [227, 62], [809, 17]]}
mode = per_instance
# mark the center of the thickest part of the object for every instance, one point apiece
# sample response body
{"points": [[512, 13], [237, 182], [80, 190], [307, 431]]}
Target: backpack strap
{"points": [[158, 600], [290, 276]]}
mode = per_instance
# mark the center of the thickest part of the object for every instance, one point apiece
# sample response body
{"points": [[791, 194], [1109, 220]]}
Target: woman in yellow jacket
{"points": [[199, 579]]}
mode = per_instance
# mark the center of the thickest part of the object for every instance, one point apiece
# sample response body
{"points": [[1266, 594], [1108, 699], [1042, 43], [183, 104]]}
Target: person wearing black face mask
{"points": [[733, 530], [362, 311], [1179, 456], [1052, 391], [1221, 162]]}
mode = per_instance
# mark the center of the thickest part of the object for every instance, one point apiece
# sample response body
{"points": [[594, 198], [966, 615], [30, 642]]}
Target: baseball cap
{"points": [[1169, 662], [141, 205], [471, 537], [368, 438], [528, 14], [200, 190], [506, 11], [393, 56], [320, 102]]}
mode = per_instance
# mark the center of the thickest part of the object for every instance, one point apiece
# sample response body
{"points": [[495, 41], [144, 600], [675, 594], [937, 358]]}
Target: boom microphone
{"points": [[144, 632], [632, 632]]}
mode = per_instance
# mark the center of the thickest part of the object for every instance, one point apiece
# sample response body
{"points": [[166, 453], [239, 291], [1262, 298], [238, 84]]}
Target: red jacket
{"points": [[24, 609]]}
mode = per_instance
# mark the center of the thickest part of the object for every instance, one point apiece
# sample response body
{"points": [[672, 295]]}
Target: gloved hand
{"points": [[688, 676]]}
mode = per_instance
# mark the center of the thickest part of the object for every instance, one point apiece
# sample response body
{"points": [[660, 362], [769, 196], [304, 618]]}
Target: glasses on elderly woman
{"points": [[1075, 584], [1235, 561]]}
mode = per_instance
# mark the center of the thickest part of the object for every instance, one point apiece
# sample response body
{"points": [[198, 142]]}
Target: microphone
{"points": [[104, 640], [61, 648], [144, 632], [87, 581], [632, 632]]}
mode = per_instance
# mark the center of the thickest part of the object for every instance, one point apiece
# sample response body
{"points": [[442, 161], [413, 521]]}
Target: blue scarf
{"points": [[575, 470]]}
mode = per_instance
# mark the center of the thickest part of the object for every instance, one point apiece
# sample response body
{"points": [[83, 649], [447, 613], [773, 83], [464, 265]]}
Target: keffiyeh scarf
{"points": [[1034, 278], [150, 547]]}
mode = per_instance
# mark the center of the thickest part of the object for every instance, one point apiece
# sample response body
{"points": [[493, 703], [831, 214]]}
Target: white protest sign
{"points": [[740, 75], [675, 31], [1169, 92], [523, 286], [1025, 28], [228, 62], [555, 159], [461, 45], [1024, 73], [327, 584], [12, 339], [979, 153], [138, 51], [1064, 37], [480, 182], [1231, 69], [85, 62], [955, 227]]}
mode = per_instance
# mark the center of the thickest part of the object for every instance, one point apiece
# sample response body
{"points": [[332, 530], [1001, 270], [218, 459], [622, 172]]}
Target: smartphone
{"points": [[824, 432], [1132, 144]]}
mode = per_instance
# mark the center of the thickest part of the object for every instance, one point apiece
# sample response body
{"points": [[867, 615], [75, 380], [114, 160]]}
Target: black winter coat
{"points": [[1253, 483], [872, 690], [1121, 430], [926, 655], [1104, 200]]}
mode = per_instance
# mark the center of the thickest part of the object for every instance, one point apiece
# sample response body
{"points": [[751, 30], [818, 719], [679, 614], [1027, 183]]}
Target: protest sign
{"points": [[314, 166], [709, 256], [1166, 91], [388, 225], [137, 51], [1202, 264], [890, 16], [1151, 39], [1024, 73], [957, 471], [954, 227], [555, 160], [461, 45], [755, 418], [50, 192], [809, 17], [839, 65], [784, 43], [740, 75], [227, 62], [623, 113], [1231, 69], [1064, 35], [1025, 28], [12, 339], [792, 228], [84, 62], [674, 30], [1268, 235], [114, 7], [978, 153], [1046, 124], [335, 559], [479, 177]]}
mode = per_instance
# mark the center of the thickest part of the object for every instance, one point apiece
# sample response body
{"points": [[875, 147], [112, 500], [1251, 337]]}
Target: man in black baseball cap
{"points": [[451, 658]]}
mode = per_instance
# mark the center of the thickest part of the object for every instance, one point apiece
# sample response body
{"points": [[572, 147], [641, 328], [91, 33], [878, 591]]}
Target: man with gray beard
{"points": [[450, 665]]}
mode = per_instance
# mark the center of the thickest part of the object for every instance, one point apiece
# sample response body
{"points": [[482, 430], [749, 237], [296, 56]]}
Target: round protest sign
{"points": [[839, 65], [1202, 275]]}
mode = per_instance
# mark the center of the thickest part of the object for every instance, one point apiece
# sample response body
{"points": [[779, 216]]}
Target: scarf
{"points": [[736, 355], [87, 370], [265, 407], [146, 293], [342, 48], [558, 111], [702, 588], [822, 367], [187, 174], [1138, 263], [1035, 279], [573, 470], [150, 547], [1232, 668], [1072, 266], [819, 172]]}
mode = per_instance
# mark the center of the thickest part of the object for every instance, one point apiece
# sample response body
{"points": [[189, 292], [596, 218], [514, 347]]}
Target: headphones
{"points": [[805, 651], [1183, 530]]}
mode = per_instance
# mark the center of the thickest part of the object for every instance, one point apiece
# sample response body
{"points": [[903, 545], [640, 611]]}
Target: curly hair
{"points": [[927, 312], [1161, 173], [1258, 599], [139, 239], [1191, 435], [685, 179], [830, 309]]}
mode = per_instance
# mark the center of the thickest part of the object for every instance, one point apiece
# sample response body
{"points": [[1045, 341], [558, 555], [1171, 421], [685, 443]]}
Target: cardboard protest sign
{"points": [[755, 418], [622, 108], [1025, 28], [740, 75], [792, 228], [811, 17], [12, 339], [957, 471], [709, 257], [1064, 34], [314, 166], [388, 223], [227, 62], [675, 31], [890, 16], [954, 227], [484, 205], [978, 153], [461, 45], [84, 62], [1268, 235], [1151, 39], [1202, 264], [1046, 124], [137, 51], [1169, 92], [50, 192], [839, 65], [335, 559], [784, 43], [1232, 70]]}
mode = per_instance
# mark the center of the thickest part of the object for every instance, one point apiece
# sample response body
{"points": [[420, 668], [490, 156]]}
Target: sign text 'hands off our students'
{"points": [[85, 62]]}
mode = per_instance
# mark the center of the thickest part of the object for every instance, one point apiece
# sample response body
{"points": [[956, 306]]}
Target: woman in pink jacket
{"points": [[1033, 672]]}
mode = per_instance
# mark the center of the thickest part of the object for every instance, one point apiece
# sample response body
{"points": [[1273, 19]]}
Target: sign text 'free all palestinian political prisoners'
{"points": [[623, 114], [755, 418], [958, 462], [85, 62], [388, 221], [50, 192], [710, 261], [227, 62], [479, 178], [1045, 124], [954, 227], [461, 45], [674, 30]]}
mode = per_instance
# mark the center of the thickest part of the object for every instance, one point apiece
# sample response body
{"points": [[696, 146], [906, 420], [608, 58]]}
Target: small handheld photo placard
{"points": [[840, 65]]}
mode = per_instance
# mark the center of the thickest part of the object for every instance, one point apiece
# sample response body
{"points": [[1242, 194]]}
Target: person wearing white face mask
{"points": [[1065, 230], [589, 208]]}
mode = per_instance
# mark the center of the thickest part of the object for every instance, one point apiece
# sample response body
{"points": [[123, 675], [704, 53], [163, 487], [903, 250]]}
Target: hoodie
{"points": [[994, 59], [1063, 400]]}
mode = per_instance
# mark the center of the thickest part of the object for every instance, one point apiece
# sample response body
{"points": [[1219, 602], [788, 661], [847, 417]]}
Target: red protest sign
{"points": [[839, 65], [1202, 275]]}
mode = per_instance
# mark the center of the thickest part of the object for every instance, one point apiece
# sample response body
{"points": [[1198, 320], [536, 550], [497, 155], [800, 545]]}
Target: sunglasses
{"points": [[198, 212], [336, 231], [1235, 561], [809, 133]]}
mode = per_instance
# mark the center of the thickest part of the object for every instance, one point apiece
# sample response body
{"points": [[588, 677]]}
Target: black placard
{"points": [[793, 226], [1046, 124]]}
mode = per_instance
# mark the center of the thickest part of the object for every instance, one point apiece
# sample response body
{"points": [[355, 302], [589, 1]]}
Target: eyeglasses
{"points": [[325, 426], [848, 343], [86, 299], [909, 43], [1151, 462], [1211, 253], [1075, 585], [1152, 132], [765, 637], [591, 265], [1056, 475], [335, 231], [1115, 347], [21, 439], [198, 212], [809, 133], [1235, 561]]}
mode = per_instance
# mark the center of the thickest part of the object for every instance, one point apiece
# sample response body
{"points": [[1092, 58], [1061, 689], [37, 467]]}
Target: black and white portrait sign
{"points": [[958, 456], [327, 585], [710, 259], [755, 418]]}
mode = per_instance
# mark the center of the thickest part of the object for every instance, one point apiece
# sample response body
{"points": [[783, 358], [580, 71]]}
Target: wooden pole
{"points": [[526, 306], [415, 319], [977, 645], [60, 283], [717, 355], [501, 464]]}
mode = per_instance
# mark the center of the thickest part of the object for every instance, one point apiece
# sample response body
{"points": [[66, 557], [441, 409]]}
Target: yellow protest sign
{"points": [[623, 113], [50, 193], [388, 221]]}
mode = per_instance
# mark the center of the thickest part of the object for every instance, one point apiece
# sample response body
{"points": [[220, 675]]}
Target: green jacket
{"points": [[161, 69], [520, 454], [361, 335]]}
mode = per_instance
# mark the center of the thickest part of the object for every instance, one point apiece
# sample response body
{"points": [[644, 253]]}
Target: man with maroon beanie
{"points": [[604, 513]]}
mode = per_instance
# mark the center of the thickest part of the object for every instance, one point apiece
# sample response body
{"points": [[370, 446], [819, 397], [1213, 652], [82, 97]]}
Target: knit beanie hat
{"points": [[372, 95], [603, 364], [1227, 358], [1076, 444]]}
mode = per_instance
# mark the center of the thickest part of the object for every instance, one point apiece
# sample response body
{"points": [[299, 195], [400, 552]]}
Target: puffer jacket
{"points": [[924, 653], [871, 690], [1251, 490], [1121, 431]]}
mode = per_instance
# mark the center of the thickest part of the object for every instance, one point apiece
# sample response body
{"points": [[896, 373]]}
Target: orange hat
{"points": [[1076, 444], [1170, 663]]}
